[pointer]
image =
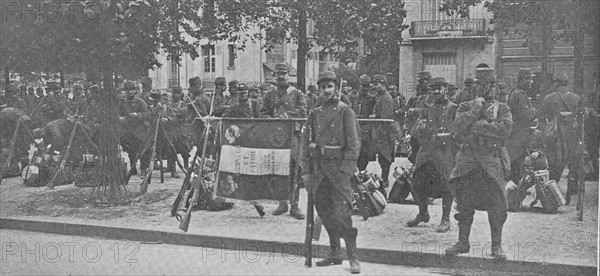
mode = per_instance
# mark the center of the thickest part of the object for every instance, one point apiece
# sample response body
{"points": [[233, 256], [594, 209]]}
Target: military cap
{"points": [[195, 80], [281, 67], [327, 76], [129, 86], [344, 83], [11, 89], [252, 88], [561, 76], [485, 75], [423, 75], [392, 87], [176, 90], [53, 86], [468, 81], [220, 80], [312, 87], [155, 95], [242, 87], [438, 81], [379, 79], [233, 83], [364, 79], [524, 73]]}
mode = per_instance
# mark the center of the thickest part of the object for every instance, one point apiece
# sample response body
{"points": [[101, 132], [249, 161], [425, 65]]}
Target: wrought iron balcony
{"points": [[452, 28]]}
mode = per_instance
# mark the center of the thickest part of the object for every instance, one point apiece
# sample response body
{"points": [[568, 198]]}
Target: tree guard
{"points": [[112, 185]]}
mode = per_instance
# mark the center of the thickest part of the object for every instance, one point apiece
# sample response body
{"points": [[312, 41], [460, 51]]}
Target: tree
{"points": [[336, 23], [109, 37], [538, 20]]}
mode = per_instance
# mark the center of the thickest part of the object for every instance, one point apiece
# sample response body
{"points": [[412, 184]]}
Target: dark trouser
{"points": [[335, 211], [385, 168], [363, 160], [294, 193], [516, 170], [557, 168], [496, 219]]}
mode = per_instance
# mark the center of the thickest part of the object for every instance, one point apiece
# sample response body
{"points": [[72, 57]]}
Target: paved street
{"points": [[28, 253]]}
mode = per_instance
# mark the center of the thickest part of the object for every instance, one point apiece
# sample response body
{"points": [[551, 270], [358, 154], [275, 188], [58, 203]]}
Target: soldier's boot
{"points": [[172, 168], [496, 230], [464, 230], [423, 215], [282, 208], [295, 211], [335, 257], [260, 209], [351, 250], [446, 207]]}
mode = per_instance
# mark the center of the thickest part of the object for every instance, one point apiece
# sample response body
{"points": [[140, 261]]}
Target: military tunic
{"points": [[246, 109], [363, 107], [564, 148], [523, 112], [284, 101], [435, 158], [332, 124], [477, 179], [381, 132], [52, 109]]}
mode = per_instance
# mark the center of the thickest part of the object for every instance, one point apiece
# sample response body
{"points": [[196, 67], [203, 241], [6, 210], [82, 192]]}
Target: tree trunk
{"points": [[578, 68], [302, 46], [6, 76]]}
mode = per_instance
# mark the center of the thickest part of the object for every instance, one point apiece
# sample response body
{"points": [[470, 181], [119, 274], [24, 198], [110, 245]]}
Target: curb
{"points": [[294, 250]]}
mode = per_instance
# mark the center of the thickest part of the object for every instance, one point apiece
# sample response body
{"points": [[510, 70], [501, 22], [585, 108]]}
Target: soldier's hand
{"points": [[510, 185], [164, 120], [535, 155], [527, 161], [479, 102]]}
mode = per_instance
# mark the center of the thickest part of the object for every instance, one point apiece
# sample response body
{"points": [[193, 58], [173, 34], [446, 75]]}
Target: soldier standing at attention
{"points": [[435, 158], [523, 113], [363, 107], [382, 133], [286, 101], [478, 178], [332, 128]]}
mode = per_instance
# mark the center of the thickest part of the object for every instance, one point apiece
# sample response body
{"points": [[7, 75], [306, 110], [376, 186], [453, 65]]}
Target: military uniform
{"points": [[522, 113], [478, 178], [414, 105], [333, 125], [286, 101], [363, 107], [8, 122], [564, 149], [133, 111], [382, 133], [435, 158]]}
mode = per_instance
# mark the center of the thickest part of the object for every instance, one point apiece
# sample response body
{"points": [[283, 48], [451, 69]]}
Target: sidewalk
{"points": [[534, 242]]}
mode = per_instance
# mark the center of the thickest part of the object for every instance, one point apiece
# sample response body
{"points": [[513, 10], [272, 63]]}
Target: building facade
{"points": [[252, 65], [447, 47]]}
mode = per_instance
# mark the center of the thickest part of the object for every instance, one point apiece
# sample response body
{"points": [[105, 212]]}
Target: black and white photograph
{"points": [[299, 137]]}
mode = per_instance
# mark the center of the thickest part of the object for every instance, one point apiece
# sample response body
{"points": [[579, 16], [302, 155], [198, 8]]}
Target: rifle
{"points": [[581, 172], [310, 212], [63, 162], [11, 150], [146, 181], [184, 187], [185, 220]]}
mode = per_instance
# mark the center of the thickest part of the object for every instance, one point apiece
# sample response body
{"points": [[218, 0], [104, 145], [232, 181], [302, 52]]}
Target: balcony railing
{"points": [[452, 28]]}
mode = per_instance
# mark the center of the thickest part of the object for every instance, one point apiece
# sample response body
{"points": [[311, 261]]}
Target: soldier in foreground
{"points": [[435, 158], [330, 149], [285, 101], [478, 178]]}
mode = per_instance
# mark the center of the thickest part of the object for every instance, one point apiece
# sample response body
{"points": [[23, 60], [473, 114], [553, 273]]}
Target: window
{"points": [[232, 56], [174, 72], [208, 52], [294, 54]]}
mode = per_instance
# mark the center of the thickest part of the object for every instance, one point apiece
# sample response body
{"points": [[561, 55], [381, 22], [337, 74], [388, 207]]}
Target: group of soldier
{"points": [[466, 146]]}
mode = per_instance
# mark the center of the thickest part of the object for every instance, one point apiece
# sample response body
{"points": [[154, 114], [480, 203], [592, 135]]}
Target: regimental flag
{"points": [[255, 159]]}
